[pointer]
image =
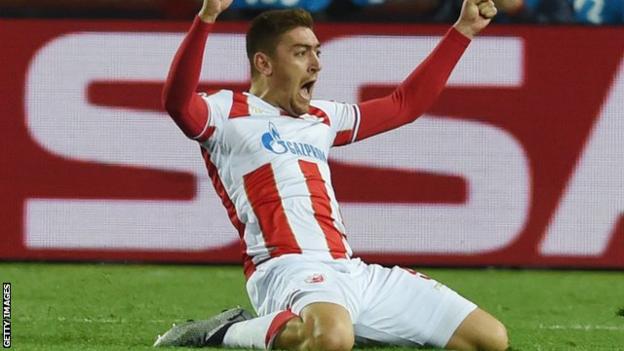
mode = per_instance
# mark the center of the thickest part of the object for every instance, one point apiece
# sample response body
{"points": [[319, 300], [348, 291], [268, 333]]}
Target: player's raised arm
{"points": [[422, 87], [180, 98]]}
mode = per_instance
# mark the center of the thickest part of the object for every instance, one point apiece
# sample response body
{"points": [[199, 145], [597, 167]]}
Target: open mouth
{"points": [[306, 90]]}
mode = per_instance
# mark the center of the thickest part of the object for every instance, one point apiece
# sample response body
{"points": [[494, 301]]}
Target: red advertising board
{"points": [[519, 163]]}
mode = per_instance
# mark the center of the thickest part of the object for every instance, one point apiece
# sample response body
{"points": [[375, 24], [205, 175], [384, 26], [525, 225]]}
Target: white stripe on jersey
{"points": [[299, 211], [251, 135], [256, 247]]}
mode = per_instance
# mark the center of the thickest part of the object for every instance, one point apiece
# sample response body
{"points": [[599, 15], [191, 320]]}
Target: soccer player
{"points": [[266, 152]]}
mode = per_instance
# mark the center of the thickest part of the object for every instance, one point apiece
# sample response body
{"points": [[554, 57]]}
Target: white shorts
{"points": [[393, 306]]}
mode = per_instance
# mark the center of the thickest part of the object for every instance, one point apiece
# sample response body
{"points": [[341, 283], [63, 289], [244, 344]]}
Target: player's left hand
{"points": [[475, 15]]}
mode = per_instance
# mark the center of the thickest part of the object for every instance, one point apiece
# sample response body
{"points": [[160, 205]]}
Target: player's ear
{"points": [[262, 63]]}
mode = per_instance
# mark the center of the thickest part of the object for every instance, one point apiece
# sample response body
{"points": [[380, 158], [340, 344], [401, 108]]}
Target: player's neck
{"points": [[271, 96]]}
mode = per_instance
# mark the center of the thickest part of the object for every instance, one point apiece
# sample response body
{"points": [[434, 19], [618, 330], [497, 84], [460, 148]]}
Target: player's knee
{"points": [[327, 327], [494, 339], [333, 340], [498, 339], [501, 339], [480, 331], [331, 335]]}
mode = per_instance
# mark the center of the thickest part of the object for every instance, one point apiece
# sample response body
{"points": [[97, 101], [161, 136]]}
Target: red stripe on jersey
{"points": [[240, 106], [248, 266], [315, 111], [343, 137], [266, 203], [322, 208]]}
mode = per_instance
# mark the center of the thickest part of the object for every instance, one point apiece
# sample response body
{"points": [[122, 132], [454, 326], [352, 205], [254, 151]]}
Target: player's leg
{"points": [[321, 312], [479, 331], [407, 308], [320, 326]]}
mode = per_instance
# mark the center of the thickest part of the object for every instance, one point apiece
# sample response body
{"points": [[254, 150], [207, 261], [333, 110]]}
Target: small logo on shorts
{"points": [[315, 278]]}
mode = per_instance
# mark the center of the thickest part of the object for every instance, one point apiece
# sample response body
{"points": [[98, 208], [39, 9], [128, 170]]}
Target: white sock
{"points": [[257, 333]]}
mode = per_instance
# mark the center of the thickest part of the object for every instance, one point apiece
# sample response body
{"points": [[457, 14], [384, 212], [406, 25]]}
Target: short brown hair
{"points": [[266, 29]]}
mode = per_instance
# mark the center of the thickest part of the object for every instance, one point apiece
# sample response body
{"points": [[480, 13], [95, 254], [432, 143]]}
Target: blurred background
{"points": [[518, 164], [594, 12]]}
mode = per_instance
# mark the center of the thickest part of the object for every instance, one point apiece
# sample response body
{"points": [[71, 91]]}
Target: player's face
{"points": [[295, 70]]}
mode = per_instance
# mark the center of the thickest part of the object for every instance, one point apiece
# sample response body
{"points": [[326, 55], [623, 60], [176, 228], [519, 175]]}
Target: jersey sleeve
{"points": [[179, 97], [416, 93], [218, 106], [344, 120]]}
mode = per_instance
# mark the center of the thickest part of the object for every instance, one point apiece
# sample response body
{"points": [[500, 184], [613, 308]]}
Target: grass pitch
{"points": [[122, 307]]}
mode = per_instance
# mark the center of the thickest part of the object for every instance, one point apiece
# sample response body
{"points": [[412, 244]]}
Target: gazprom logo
{"points": [[273, 142]]}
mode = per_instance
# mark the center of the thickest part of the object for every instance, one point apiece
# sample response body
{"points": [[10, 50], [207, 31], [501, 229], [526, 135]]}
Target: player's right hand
{"points": [[212, 8]]}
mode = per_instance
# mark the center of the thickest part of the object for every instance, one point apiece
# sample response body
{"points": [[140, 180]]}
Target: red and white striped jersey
{"points": [[270, 170]]}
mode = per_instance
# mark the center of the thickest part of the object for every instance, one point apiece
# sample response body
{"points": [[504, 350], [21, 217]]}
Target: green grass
{"points": [[121, 307]]}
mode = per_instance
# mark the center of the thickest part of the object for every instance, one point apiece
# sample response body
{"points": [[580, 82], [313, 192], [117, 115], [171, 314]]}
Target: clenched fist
{"points": [[475, 15], [212, 8]]}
